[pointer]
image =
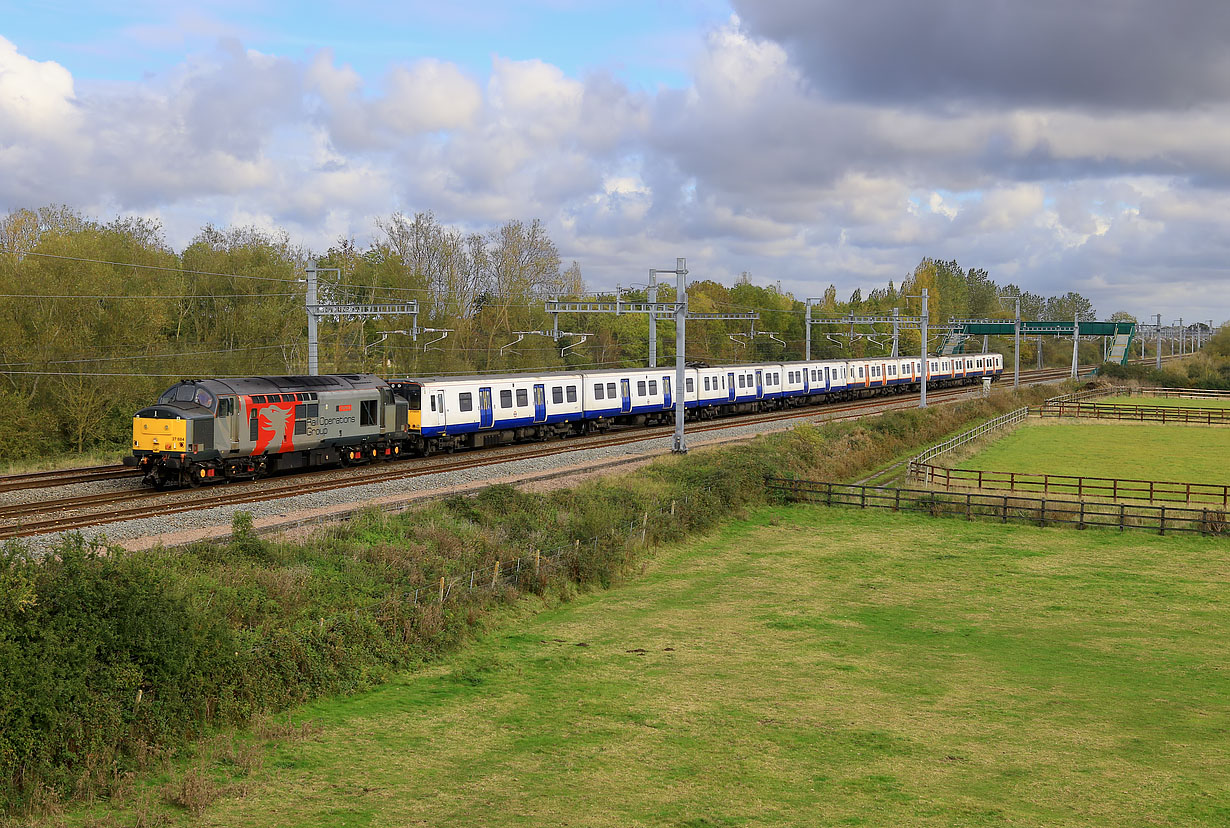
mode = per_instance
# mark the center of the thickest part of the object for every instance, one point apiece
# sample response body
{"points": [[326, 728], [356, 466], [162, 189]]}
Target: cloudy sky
{"points": [[1059, 145]]}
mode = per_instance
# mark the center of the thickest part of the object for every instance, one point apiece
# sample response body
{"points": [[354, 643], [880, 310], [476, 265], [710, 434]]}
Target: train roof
{"points": [[290, 384], [470, 378]]}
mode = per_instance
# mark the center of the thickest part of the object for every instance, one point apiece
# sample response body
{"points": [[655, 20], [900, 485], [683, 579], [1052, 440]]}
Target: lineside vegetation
{"points": [[109, 661]]}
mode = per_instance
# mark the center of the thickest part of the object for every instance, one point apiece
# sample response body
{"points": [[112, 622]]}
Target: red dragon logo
{"points": [[275, 420]]}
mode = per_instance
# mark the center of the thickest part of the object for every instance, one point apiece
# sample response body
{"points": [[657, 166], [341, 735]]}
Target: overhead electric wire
{"points": [[144, 356]]}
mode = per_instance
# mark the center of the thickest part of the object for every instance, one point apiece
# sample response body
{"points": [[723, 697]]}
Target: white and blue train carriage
{"points": [[490, 409]]}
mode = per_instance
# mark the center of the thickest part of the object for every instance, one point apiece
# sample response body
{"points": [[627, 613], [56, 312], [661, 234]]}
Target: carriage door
{"points": [[730, 390], [827, 381], [759, 384], [540, 403], [486, 416], [228, 419], [666, 392]]}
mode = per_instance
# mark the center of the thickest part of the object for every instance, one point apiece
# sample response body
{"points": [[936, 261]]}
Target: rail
{"points": [[1191, 393], [1138, 413], [1006, 508], [1098, 487]]}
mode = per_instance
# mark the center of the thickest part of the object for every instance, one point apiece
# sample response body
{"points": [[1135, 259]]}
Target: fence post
{"points": [[441, 589], [969, 502], [1122, 517], [1005, 519], [862, 497], [537, 561], [1204, 520], [1081, 523], [1161, 529], [1042, 513], [495, 574], [897, 500], [672, 508], [828, 488], [472, 571]]}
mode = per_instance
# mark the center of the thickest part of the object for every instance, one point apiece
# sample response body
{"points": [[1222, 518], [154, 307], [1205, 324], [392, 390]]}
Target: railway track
{"points": [[64, 477], [67, 514]]}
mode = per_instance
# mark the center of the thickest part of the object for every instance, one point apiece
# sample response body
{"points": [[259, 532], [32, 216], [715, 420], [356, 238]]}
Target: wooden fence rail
{"points": [[1139, 413], [1190, 393], [1005, 508], [1103, 487]]}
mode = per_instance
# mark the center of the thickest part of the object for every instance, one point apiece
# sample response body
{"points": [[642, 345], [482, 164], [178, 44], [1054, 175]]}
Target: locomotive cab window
{"points": [[367, 412], [414, 396]]}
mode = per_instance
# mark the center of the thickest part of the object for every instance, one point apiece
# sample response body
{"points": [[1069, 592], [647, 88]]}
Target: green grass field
{"points": [[1167, 402], [807, 666], [1123, 450]]}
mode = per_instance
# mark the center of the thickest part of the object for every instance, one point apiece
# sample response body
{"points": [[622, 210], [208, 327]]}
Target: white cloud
{"points": [[748, 168]]}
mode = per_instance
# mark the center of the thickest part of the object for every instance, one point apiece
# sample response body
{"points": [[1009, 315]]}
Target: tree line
{"points": [[97, 317]]}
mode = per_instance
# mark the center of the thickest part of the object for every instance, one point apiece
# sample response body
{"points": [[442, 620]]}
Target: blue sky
{"points": [[644, 42], [1059, 146]]}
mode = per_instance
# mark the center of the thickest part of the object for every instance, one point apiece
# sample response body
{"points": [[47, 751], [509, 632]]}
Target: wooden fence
{"points": [[1005, 508], [1188, 393], [1082, 487], [1139, 413]]}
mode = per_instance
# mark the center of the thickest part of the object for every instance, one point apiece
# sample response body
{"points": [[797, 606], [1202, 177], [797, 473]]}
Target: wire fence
{"points": [[1007, 508], [952, 443], [529, 572]]}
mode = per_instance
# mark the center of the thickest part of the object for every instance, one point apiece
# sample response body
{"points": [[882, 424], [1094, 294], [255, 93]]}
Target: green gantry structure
{"points": [[963, 329]]}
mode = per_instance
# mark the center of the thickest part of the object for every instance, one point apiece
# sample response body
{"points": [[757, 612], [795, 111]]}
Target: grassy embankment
{"points": [[802, 666], [109, 661], [1123, 450]]}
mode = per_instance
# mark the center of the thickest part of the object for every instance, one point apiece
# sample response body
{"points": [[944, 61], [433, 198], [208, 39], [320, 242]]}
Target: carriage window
{"points": [[557, 394], [610, 390], [572, 393], [691, 385], [523, 396], [597, 390], [433, 402], [465, 401], [506, 398], [707, 383], [640, 388], [653, 388], [367, 412], [742, 382]]}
